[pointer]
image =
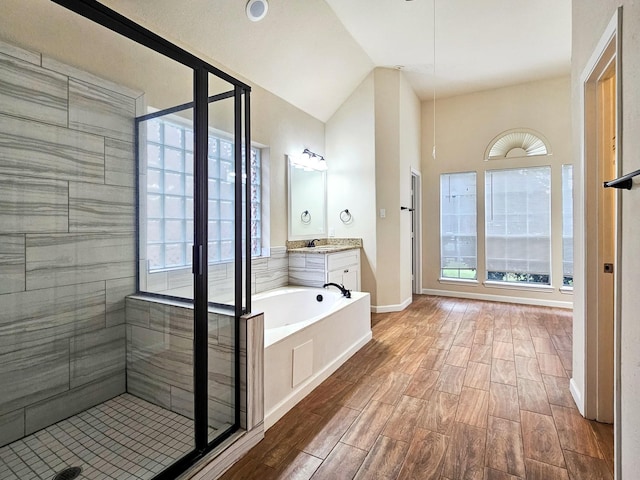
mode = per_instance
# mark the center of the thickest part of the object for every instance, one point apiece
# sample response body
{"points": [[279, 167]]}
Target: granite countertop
{"points": [[323, 249], [324, 245]]}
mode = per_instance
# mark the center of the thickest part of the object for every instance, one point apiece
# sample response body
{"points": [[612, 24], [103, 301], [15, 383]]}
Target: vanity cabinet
{"points": [[344, 268], [317, 268]]}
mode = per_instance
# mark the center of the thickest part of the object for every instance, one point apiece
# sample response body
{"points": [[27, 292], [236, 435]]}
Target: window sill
{"points": [[515, 286], [566, 290], [458, 281]]}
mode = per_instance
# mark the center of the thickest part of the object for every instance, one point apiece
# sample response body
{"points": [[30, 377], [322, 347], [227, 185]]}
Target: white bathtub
{"points": [[306, 340]]}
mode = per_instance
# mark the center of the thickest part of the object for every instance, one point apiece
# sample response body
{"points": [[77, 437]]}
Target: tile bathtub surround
{"points": [[67, 245], [267, 273], [124, 437]]}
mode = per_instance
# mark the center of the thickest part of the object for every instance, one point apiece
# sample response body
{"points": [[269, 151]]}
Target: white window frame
{"points": [[510, 277], [444, 176]]}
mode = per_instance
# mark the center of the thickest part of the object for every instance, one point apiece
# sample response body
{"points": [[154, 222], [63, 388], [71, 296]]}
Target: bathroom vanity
{"points": [[315, 266]]}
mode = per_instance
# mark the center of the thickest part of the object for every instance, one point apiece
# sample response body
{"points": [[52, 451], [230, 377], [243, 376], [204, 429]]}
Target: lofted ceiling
{"points": [[314, 53]]}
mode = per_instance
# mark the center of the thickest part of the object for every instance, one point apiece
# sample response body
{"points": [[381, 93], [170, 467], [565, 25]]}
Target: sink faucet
{"points": [[312, 243], [345, 293]]}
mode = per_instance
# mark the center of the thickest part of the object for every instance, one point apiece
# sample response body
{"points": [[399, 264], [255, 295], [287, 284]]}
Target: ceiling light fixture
{"points": [[257, 10]]}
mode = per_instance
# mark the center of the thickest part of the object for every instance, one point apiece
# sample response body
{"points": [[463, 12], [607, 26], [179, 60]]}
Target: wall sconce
{"points": [[311, 161]]}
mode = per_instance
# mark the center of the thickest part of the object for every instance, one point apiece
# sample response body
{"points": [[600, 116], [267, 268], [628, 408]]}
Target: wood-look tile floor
{"points": [[447, 389]]}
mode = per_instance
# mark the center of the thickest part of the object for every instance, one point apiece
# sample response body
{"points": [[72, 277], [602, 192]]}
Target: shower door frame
{"points": [[98, 13]]}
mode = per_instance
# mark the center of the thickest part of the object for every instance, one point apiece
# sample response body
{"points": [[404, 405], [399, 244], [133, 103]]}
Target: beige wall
{"points": [[350, 139], [589, 19], [465, 125], [408, 158], [397, 143], [373, 140], [387, 186]]}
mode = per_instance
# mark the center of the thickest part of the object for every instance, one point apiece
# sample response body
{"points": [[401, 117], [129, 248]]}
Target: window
{"points": [[458, 251], [170, 196], [518, 225], [517, 143], [567, 225]]}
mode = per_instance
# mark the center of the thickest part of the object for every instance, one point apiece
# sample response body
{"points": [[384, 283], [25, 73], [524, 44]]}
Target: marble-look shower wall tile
{"points": [[34, 317], [97, 355], [171, 319], [29, 205], [221, 291], [32, 149], [213, 329], [12, 263], [161, 357], [149, 389], [226, 330], [221, 373], [69, 71], [33, 374], [156, 281], [101, 208], [220, 414], [137, 312], [116, 292], [119, 163], [61, 259], [29, 91], [11, 426], [69, 403], [218, 271], [20, 53], [97, 110], [180, 278]]}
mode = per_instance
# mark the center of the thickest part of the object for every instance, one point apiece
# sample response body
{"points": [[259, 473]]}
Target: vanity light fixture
{"points": [[312, 161]]}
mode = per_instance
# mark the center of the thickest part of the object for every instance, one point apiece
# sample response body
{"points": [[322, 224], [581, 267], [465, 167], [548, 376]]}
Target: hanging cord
{"points": [[433, 153]]}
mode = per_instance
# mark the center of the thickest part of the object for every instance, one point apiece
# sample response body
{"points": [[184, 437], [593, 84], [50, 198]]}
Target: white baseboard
{"points": [[277, 412], [577, 396], [391, 308], [498, 298]]}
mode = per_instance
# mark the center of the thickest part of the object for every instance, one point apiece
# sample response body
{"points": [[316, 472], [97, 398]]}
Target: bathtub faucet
{"points": [[345, 293]]}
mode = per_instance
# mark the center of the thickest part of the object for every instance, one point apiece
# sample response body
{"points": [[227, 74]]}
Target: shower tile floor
{"points": [[122, 438]]}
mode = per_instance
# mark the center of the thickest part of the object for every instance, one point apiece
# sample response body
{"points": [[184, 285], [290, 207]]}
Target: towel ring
{"points": [[345, 216], [305, 217]]}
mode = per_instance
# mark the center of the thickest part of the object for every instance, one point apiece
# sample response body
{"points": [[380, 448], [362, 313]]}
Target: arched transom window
{"points": [[519, 142]]}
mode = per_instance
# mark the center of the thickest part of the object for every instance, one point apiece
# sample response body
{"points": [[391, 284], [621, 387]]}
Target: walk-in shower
{"points": [[125, 167]]}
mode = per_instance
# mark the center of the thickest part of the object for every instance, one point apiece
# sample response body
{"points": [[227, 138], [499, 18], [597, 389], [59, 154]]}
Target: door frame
{"points": [[416, 219], [606, 54]]}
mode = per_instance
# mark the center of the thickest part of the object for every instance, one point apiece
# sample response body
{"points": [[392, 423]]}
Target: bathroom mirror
{"points": [[307, 202]]}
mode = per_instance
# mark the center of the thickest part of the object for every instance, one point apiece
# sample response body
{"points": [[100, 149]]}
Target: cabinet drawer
{"points": [[343, 259]]}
